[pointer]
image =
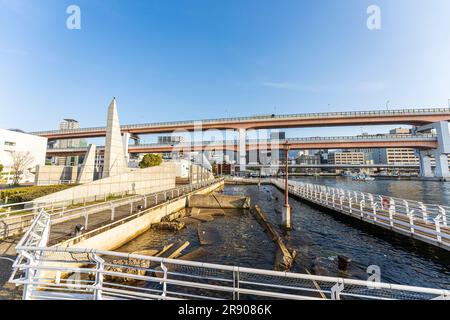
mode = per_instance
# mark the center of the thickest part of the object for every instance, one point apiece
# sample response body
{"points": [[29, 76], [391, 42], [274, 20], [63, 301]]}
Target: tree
{"points": [[20, 162], [150, 160]]}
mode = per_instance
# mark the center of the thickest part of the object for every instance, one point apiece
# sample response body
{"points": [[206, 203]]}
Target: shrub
{"points": [[150, 160], [25, 194]]}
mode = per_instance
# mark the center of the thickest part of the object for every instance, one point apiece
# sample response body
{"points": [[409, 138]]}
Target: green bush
{"points": [[150, 160], [25, 194]]}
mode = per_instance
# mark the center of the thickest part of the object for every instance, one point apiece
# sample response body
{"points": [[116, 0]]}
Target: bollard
{"points": [[343, 263]]}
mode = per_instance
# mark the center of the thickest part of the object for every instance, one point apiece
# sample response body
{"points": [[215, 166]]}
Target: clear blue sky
{"points": [[170, 60]]}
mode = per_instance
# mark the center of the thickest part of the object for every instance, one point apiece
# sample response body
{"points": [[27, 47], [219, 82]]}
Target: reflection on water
{"points": [[319, 237]]}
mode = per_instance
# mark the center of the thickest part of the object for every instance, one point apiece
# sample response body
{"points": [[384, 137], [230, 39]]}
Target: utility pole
{"points": [[286, 210]]}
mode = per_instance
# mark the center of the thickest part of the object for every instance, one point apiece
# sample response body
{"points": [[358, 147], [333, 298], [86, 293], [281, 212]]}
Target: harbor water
{"points": [[319, 236]]}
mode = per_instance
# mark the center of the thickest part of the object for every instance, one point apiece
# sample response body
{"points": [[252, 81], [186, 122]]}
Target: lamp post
{"points": [[286, 210], [387, 104]]}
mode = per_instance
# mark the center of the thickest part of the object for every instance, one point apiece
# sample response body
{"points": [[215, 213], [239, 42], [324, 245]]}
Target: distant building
{"points": [[306, 159], [69, 124], [15, 141], [170, 139], [394, 156], [280, 136], [400, 131], [346, 157]]}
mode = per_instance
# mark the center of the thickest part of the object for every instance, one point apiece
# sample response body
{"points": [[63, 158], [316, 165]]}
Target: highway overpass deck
{"points": [[414, 117], [425, 141]]}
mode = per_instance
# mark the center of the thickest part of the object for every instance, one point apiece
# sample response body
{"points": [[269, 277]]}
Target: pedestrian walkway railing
{"points": [[426, 222], [76, 273], [17, 223]]}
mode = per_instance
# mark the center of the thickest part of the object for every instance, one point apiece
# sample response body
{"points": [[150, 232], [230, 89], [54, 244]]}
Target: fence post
{"points": [[99, 268], [164, 269], [86, 219], [391, 212], [112, 211], [236, 283], [336, 290], [438, 229], [411, 221], [424, 212], [443, 215]]}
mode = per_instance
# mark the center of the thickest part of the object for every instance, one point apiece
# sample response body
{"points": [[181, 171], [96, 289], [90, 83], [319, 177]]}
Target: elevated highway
{"points": [[415, 117], [421, 142]]}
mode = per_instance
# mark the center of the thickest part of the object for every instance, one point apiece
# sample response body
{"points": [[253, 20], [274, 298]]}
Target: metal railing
{"points": [[355, 114], [425, 222], [16, 223], [76, 273]]}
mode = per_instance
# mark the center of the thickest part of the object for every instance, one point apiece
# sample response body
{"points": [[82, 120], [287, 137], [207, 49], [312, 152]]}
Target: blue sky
{"points": [[178, 60]]}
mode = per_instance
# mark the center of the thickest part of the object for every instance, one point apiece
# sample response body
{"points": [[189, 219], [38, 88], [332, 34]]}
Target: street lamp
{"points": [[286, 210], [387, 104]]}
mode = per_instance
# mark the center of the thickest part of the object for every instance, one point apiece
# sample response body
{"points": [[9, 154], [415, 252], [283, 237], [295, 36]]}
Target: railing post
{"points": [[438, 229], [236, 283], [99, 268], [350, 204], [411, 221], [86, 219], [391, 212], [112, 211], [443, 216], [424, 212], [164, 269], [336, 290]]}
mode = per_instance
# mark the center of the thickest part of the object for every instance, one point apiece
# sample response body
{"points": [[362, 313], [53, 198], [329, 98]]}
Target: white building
{"points": [[14, 141]]}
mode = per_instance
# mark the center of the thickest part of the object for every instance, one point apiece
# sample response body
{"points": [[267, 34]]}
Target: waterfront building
{"points": [[346, 157], [307, 159], [12, 141]]}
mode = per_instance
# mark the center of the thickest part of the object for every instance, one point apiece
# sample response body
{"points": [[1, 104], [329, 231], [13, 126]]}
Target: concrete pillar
{"points": [[441, 170], [443, 136], [286, 217], [87, 169], [126, 142], [242, 152], [114, 163], [425, 165]]}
